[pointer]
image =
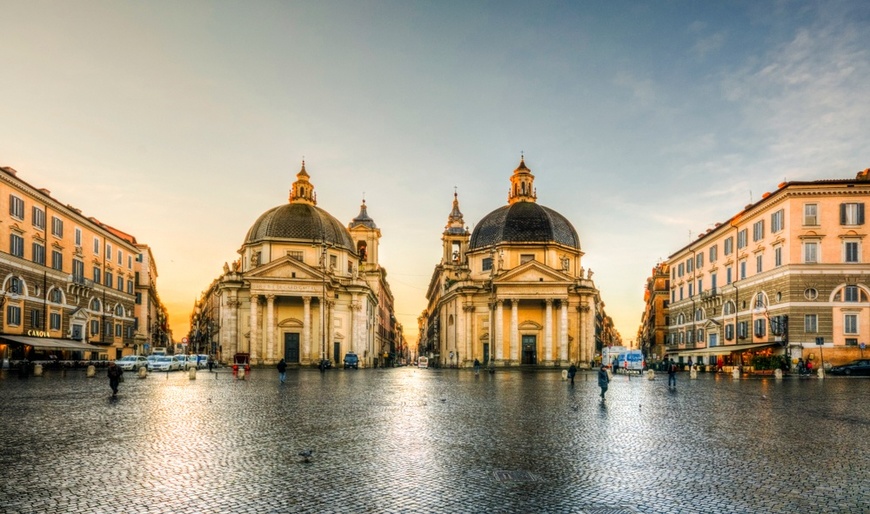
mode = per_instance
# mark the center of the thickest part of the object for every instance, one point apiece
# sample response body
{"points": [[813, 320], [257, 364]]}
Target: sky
{"points": [[644, 123]]}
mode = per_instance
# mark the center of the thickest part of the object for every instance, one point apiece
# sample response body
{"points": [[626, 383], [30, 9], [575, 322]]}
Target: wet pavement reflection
{"points": [[423, 440]]}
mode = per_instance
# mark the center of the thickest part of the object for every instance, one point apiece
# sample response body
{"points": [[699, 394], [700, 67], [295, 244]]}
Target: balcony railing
{"points": [[80, 280], [709, 293]]}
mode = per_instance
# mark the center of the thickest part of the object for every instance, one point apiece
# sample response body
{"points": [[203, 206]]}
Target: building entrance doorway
{"points": [[485, 354], [530, 352], [291, 348]]}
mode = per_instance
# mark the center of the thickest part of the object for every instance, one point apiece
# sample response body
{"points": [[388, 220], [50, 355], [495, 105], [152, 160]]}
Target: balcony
{"points": [[81, 281], [709, 294]]}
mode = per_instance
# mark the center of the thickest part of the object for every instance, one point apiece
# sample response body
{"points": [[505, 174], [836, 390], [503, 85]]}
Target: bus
{"points": [[422, 362]]}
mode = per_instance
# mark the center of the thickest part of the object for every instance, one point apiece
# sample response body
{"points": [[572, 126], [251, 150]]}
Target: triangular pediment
{"points": [[287, 268], [532, 272]]}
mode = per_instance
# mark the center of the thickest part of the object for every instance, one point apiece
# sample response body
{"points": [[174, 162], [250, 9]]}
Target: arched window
{"points": [[95, 305], [851, 293], [760, 300], [119, 310], [681, 319], [56, 295], [699, 315], [728, 309]]}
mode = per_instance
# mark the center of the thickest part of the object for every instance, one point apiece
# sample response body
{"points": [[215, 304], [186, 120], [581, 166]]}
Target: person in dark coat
{"points": [[603, 380], [476, 366], [672, 374], [571, 372], [282, 370], [114, 373]]}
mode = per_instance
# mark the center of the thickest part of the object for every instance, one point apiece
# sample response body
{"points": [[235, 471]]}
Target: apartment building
{"points": [[785, 278], [67, 281], [653, 331]]}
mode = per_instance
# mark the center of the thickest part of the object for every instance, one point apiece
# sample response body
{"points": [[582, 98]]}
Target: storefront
{"points": [[724, 358], [17, 348]]}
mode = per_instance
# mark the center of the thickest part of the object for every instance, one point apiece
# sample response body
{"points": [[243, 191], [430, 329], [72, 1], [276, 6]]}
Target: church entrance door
{"points": [[530, 353], [291, 348]]}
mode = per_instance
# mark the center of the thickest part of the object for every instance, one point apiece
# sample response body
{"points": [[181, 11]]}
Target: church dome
{"points": [[523, 222], [300, 222]]}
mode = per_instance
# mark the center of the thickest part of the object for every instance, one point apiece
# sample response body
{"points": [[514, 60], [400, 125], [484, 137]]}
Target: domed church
{"points": [[513, 292], [304, 288]]}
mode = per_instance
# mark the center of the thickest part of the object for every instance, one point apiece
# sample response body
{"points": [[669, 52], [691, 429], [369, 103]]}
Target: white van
{"points": [[422, 362]]}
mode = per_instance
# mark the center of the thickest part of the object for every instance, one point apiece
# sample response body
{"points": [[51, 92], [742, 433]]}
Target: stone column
{"points": [[499, 323], [230, 332], [305, 358], [330, 323], [515, 331], [254, 333], [548, 332], [468, 311], [563, 332], [270, 328]]}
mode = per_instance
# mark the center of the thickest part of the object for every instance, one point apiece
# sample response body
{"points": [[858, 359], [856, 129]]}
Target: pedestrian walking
{"points": [[603, 380], [571, 372], [115, 374], [672, 374], [476, 367], [282, 370], [210, 364], [809, 367]]}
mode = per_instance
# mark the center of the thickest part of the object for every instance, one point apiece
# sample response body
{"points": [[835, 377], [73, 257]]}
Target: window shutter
{"points": [[842, 214], [860, 213]]}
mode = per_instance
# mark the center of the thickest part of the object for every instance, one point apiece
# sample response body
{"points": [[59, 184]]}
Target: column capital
{"points": [[270, 297], [306, 299]]}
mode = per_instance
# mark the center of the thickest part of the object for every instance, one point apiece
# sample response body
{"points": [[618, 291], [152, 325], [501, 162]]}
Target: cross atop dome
{"points": [[303, 190]]}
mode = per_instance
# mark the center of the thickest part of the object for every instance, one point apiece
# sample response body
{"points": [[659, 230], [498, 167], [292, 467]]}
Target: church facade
{"points": [[514, 291], [305, 288]]}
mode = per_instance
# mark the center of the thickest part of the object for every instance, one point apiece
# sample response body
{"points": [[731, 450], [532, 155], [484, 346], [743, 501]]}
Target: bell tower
{"points": [[366, 236], [522, 185], [455, 237]]}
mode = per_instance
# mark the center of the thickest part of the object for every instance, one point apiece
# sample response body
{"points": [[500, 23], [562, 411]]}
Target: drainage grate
{"points": [[516, 476]]}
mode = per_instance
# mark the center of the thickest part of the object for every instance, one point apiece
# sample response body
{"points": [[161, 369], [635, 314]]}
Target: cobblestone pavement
{"points": [[413, 440]]}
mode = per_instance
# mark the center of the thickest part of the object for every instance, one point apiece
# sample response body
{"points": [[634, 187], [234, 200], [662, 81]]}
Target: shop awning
{"points": [[45, 343], [723, 349]]}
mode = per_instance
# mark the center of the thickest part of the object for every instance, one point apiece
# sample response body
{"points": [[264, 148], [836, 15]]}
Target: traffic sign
{"points": [[184, 340]]}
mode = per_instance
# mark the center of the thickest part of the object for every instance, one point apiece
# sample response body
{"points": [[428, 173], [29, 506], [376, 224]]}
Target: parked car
{"points": [[132, 362], [858, 367], [351, 360], [166, 363]]}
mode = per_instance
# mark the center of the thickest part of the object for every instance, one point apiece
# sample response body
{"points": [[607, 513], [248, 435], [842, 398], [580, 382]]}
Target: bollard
{"points": [[241, 376], [92, 371], [143, 372], [777, 373], [564, 374], [37, 370], [693, 372], [191, 373], [821, 372], [735, 372], [650, 374]]}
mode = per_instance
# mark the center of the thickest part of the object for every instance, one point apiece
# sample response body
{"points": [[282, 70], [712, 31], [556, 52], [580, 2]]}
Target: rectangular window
{"points": [[129, 287], [56, 226], [850, 294], [108, 251], [54, 320], [333, 261], [758, 230], [681, 269], [713, 284], [741, 239], [811, 214], [851, 214], [760, 327], [120, 258], [118, 330], [673, 295], [16, 245], [699, 261], [78, 269], [16, 207], [95, 327], [728, 277], [38, 216], [38, 254], [35, 318], [811, 323], [776, 221], [691, 289], [851, 251], [96, 246], [811, 252], [486, 265], [97, 277], [681, 292], [729, 332], [121, 284], [742, 330], [700, 285], [851, 341], [729, 246], [78, 236], [138, 298], [777, 256], [129, 262], [107, 328], [714, 253], [690, 265], [742, 269], [758, 263], [110, 279], [850, 324], [13, 315], [57, 260], [524, 258]]}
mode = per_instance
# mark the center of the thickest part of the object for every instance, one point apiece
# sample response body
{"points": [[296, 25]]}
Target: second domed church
{"points": [[514, 291]]}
